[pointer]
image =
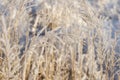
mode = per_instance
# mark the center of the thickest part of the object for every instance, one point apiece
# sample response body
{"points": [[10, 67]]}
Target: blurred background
{"points": [[110, 9]]}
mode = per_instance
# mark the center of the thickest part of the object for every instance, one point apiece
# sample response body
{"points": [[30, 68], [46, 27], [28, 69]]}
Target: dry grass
{"points": [[77, 47]]}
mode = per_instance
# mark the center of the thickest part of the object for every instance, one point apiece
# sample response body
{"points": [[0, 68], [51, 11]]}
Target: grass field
{"points": [[59, 40]]}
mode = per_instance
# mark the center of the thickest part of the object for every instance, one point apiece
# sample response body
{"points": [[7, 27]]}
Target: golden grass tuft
{"points": [[77, 46]]}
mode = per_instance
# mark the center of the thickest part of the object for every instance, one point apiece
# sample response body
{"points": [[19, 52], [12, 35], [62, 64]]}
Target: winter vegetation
{"points": [[59, 40]]}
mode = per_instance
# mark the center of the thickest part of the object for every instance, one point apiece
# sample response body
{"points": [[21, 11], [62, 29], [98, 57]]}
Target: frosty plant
{"points": [[77, 43]]}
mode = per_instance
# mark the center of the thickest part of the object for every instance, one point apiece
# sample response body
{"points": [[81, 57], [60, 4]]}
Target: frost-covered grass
{"points": [[78, 46]]}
